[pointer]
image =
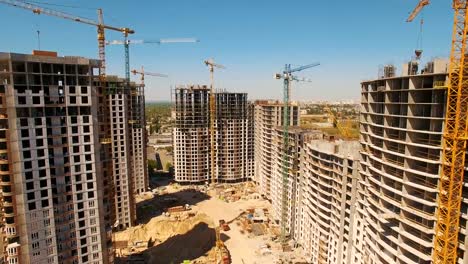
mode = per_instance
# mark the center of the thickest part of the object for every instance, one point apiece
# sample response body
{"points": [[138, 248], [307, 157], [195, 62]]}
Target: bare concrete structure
{"points": [[233, 136], [139, 139], [191, 134], [401, 128], [119, 100], [268, 114], [326, 215], [56, 190], [294, 162]]}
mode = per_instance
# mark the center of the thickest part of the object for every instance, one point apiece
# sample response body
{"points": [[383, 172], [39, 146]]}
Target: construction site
{"points": [[253, 182], [225, 223]]}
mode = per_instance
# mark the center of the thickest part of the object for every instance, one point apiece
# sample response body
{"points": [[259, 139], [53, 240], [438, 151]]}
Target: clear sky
{"points": [[252, 38]]}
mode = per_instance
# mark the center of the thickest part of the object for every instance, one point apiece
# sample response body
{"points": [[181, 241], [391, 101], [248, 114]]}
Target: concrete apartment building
{"points": [[293, 162], [56, 191], [268, 114], [234, 144], [402, 120], [327, 224], [233, 136], [321, 196], [121, 140], [139, 138]]}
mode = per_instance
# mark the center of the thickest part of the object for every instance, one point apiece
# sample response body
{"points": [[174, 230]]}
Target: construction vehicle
{"points": [[343, 129], [222, 253], [288, 78], [454, 140], [224, 225], [101, 27], [212, 65]]}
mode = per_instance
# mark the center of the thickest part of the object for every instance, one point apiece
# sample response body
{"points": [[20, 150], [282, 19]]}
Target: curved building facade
{"points": [[402, 120]]}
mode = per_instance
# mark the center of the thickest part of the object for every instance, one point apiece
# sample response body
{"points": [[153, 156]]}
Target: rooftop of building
{"points": [[207, 88], [436, 66], [345, 149], [268, 102], [46, 57], [302, 130], [192, 87]]}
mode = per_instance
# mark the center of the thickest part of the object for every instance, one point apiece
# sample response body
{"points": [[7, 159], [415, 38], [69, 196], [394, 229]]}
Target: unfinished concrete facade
{"points": [[234, 149], [402, 120], [119, 109], [138, 139], [55, 191], [327, 209], [293, 162], [268, 114], [191, 134], [233, 136]]}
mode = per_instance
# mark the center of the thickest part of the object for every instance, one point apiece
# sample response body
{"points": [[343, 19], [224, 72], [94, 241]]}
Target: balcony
{"points": [[12, 249], [10, 230]]}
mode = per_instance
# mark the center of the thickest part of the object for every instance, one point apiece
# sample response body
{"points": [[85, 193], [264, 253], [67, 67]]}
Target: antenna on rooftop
{"points": [[38, 39]]}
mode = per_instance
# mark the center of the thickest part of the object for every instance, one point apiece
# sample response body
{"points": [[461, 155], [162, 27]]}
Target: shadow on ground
{"points": [[161, 179], [189, 246], [159, 203]]}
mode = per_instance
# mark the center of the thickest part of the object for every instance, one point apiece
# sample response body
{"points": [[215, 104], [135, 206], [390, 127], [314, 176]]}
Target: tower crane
{"points": [[142, 73], [126, 42], [212, 65], [101, 27], [454, 140], [344, 130], [287, 79], [417, 10]]}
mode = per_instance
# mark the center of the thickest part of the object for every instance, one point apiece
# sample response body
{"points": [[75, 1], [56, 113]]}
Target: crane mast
{"points": [[287, 79], [454, 141], [212, 65]]}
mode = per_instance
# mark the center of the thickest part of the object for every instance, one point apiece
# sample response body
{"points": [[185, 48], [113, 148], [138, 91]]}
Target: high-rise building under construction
{"points": [[402, 121], [268, 115], [56, 189], [320, 201], [123, 145], [233, 136]]}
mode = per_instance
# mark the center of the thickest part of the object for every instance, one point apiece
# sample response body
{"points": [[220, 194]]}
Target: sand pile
{"points": [[172, 240]]}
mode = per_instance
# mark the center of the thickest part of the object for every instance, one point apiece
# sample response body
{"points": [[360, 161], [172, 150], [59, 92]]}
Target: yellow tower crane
{"points": [[101, 27], [212, 65], [142, 73], [344, 130], [454, 139]]}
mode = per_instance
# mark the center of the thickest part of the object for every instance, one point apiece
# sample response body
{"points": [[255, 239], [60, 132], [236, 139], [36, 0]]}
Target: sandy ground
{"points": [[174, 239], [241, 248]]}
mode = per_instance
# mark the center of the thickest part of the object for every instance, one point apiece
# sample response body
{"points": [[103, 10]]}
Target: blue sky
{"points": [[253, 39]]}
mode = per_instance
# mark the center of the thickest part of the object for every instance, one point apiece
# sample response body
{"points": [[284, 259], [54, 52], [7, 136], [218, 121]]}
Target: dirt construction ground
{"points": [[190, 235]]}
